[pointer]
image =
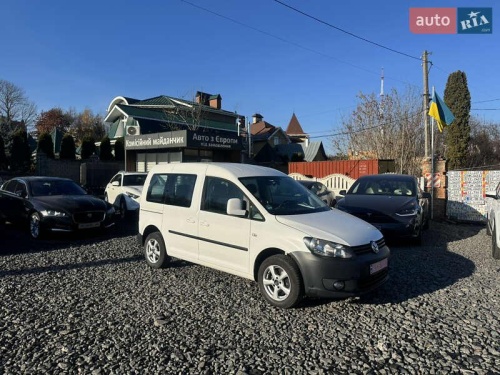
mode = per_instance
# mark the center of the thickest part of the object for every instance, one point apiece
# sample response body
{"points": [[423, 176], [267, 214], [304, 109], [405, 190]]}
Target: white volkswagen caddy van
{"points": [[258, 223]]}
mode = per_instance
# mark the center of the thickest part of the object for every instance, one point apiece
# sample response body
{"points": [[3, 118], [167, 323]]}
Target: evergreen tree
{"points": [[458, 133], [46, 145], [119, 150], [3, 156], [106, 151], [68, 148], [88, 147], [20, 155]]}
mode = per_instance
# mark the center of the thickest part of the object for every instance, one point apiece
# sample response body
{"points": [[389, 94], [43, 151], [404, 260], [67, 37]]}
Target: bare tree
{"points": [[484, 145], [184, 114], [388, 128], [14, 105]]}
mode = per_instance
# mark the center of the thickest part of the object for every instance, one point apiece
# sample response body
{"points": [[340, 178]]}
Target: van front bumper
{"points": [[328, 277]]}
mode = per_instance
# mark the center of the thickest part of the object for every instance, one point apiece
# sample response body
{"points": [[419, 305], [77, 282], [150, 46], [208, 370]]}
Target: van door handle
{"points": [[204, 223], [191, 221]]}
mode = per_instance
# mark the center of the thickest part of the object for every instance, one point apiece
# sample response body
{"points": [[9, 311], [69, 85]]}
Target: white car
{"points": [[493, 216], [124, 191], [260, 224]]}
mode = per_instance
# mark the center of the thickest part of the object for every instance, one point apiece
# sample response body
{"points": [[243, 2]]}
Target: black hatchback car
{"points": [[393, 203], [52, 204]]}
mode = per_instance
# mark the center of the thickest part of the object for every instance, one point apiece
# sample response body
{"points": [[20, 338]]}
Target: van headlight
{"points": [[327, 248]]}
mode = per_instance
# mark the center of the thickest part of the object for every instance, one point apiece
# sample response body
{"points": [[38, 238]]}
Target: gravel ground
{"points": [[90, 305]]}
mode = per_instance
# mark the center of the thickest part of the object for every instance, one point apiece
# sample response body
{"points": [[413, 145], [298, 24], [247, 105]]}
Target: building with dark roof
{"points": [[271, 145], [165, 129]]}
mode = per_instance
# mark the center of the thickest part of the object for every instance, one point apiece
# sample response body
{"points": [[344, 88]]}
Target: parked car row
{"points": [[246, 220]]}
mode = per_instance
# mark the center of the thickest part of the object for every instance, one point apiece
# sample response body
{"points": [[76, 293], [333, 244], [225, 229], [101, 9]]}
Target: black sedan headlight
{"points": [[327, 248], [53, 213]]}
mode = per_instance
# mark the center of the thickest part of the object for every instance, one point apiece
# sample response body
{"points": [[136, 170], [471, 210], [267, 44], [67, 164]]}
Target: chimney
{"points": [[216, 101], [256, 118]]}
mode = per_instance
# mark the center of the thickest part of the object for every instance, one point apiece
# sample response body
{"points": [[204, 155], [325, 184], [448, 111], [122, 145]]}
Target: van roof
{"points": [[236, 170]]}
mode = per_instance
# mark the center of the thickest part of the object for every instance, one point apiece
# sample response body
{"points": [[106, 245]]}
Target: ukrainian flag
{"points": [[440, 112]]}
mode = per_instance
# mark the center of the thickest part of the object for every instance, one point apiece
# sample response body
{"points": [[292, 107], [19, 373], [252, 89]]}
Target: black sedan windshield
{"points": [[384, 186], [42, 188]]}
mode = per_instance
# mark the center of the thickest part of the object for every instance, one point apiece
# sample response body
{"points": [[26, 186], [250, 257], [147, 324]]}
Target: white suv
{"points": [[261, 224], [124, 191]]}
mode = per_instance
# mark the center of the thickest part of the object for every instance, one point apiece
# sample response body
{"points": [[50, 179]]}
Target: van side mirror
{"points": [[115, 183], [234, 207], [342, 192]]}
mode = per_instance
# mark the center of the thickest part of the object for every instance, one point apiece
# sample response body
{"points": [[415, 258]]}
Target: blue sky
{"points": [[258, 55]]}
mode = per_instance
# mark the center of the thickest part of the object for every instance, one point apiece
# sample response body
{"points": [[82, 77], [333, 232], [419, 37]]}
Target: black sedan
{"points": [[321, 191], [52, 204], [393, 203]]}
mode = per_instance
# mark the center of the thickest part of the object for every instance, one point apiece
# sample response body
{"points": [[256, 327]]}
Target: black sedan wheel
{"points": [[35, 226], [280, 282]]}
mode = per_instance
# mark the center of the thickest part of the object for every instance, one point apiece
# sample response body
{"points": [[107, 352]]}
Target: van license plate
{"points": [[379, 266], [88, 225]]}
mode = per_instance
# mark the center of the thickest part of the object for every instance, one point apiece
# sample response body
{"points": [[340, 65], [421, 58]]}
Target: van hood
{"points": [[333, 225]]}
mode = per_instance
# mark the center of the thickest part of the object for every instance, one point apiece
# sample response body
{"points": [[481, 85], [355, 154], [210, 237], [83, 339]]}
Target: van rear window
{"points": [[174, 189]]}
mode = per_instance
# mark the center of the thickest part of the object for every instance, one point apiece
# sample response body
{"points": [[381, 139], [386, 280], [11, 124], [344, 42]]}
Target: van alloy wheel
{"points": [[280, 281], [155, 251]]}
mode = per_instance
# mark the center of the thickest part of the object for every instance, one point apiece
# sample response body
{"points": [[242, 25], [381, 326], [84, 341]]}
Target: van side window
{"points": [[156, 189], [171, 188], [180, 189], [217, 192]]}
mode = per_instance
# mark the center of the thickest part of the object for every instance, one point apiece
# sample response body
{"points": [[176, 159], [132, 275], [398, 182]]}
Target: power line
{"points": [[347, 32], [410, 115], [290, 42]]}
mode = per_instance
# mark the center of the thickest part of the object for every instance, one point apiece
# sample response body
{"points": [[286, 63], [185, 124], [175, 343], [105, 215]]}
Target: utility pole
{"points": [[426, 102]]}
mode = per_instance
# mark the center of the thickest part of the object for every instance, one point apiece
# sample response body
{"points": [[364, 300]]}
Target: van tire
{"points": [[280, 281], [155, 251]]}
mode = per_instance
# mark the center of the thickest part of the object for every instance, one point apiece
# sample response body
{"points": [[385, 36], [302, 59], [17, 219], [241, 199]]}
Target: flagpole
{"points": [[432, 162]]}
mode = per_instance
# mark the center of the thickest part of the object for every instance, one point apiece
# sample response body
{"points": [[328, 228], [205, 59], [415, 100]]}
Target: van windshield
{"points": [[283, 195]]}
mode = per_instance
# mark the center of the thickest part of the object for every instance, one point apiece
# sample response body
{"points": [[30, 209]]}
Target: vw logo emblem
{"points": [[89, 215], [374, 247]]}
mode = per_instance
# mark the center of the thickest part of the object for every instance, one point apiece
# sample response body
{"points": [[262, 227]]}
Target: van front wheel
{"points": [[280, 281], [155, 251]]}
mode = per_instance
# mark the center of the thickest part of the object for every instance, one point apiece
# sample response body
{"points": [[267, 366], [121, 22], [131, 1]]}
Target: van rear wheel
{"points": [[155, 251], [280, 281]]}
